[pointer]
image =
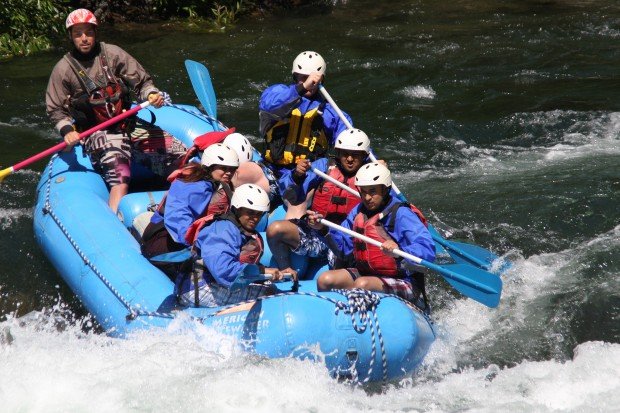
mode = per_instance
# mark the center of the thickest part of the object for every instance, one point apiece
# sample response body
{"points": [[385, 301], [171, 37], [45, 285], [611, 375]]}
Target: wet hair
{"points": [[196, 172]]}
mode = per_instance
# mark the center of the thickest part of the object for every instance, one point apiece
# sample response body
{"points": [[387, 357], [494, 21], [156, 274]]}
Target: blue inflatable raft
{"points": [[370, 338]]}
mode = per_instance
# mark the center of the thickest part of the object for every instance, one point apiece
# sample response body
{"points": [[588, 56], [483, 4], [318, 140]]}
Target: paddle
{"points": [[201, 82], [436, 236], [56, 148], [472, 282], [336, 182], [245, 279]]}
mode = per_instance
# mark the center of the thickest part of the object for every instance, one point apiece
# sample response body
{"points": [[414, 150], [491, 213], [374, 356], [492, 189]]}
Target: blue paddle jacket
{"points": [[408, 232], [277, 102], [220, 248], [185, 203], [311, 181]]}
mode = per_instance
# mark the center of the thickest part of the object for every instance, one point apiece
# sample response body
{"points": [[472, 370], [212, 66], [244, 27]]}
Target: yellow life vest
{"points": [[296, 137]]}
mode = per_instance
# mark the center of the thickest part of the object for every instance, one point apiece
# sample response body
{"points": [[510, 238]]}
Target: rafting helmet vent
{"points": [[373, 174], [308, 62], [80, 16], [241, 145], [219, 154], [352, 140], [250, 196]]}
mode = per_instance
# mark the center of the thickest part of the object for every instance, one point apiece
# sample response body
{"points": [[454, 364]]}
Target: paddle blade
{"points": [[464, 253], [243, 280], [201, 82], [481, 254], [5, 172], [472, 282]]}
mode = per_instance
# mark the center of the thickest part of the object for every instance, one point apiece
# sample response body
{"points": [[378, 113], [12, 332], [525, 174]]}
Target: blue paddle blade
{"points": [[464, 253], [201, 82], [243, 280], [173, 257], [472, 282], [480, 253]]}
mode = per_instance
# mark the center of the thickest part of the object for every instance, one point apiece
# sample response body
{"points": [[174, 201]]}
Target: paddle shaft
{"points": [[443, 271], [286, 276], [63, 145], [336, 182]]}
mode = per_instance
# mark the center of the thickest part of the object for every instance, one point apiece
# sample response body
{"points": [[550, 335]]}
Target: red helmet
{"points": [[80, 16]]}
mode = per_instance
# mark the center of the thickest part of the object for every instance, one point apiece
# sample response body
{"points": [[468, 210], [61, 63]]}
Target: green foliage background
{"points": [[29, 26]]}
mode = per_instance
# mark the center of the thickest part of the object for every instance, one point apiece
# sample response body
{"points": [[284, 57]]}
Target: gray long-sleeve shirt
{"points": [[64, 83]]}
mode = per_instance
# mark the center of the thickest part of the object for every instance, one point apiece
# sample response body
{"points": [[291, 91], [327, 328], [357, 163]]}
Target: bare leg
{"points": [[116, 193], [282, 237], [242, 307], [369, 283], [332, 279], [297, 211]]}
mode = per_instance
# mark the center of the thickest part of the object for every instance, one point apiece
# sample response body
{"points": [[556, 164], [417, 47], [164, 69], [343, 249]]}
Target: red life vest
{"points": [[250, 252], [369, 259], [331, 201]]}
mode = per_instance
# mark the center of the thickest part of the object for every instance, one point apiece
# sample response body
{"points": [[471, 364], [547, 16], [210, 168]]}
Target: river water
{"points": [[500, 120]]}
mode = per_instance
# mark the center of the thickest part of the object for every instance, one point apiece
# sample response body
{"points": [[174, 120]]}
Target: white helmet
{"points": [[308, 62], [373, 174], [352, 140], [250, 196], [241, 145], [219, 154]]}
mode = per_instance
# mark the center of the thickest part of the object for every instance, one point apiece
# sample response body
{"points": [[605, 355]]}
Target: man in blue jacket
{"points": [[295, 121]]}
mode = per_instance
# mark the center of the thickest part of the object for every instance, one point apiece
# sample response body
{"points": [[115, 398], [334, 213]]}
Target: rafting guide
{"points": [[91, 84]]}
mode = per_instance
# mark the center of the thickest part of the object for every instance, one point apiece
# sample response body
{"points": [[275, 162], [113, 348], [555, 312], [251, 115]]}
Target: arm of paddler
{"points": [[185, 202], [412, 236], [220, 247]]}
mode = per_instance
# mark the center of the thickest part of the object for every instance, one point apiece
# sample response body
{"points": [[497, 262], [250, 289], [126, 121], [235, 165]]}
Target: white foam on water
{"points": [[605, 140], [588, 382], [47, 370], [44, 370], [46, 132], [28, 174], [10, 216], [198, 369], [465, 326], [419, 92], [602, 138], [603, 30], [527, 280]]}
